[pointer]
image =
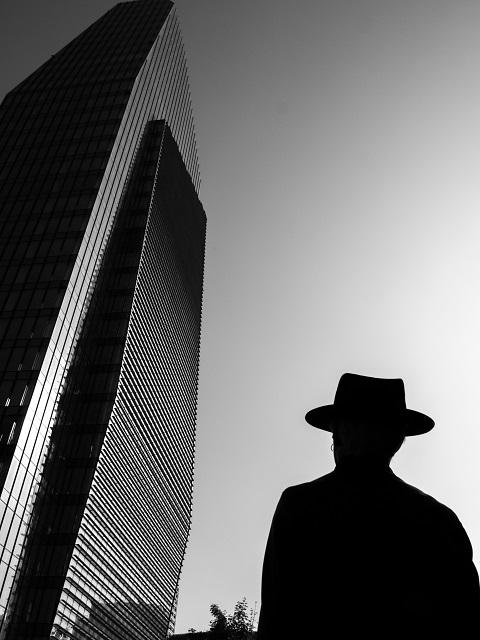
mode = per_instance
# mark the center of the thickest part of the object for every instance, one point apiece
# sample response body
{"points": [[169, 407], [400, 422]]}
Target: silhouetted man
{"points": [[359, 553]]}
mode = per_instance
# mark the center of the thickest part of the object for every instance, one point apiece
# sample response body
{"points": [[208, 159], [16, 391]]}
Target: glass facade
{"points": [[101, 259]]}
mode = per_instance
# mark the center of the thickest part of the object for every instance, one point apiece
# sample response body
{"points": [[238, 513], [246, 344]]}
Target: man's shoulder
{"points": [[300, 499], [323, 484], [424, 500]]}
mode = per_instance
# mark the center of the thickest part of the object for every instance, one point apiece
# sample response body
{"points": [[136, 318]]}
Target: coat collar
{"points": [[365, 467]]}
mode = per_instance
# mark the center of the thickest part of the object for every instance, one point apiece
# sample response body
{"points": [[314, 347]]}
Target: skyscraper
{"points": [[101, 272]]}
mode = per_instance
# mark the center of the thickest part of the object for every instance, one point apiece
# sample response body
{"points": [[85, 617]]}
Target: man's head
{"points": [[366, 438]]}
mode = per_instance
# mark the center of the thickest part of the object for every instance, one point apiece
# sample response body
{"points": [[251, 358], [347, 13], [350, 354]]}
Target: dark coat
{"points": [[360, 553]]}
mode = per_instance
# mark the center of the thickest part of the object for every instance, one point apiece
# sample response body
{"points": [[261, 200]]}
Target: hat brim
{"points": [[416, 423]]}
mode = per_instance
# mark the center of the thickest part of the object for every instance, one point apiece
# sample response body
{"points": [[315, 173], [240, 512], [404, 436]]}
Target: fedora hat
{"points": [[375, 398]]}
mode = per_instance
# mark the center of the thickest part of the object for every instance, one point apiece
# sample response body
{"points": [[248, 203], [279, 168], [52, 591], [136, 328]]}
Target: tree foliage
{"points": [[237, 626], [219, 624]]}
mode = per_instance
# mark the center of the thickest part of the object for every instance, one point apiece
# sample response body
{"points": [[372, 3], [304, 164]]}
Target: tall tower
{"points": [[102, 241]]}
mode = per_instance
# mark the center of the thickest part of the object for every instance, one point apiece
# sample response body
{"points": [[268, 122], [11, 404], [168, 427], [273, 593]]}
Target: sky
{"points": [[339, 148]]}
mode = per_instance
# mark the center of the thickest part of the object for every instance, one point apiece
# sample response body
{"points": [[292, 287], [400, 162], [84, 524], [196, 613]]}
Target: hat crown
{"points": [[363, 395]]}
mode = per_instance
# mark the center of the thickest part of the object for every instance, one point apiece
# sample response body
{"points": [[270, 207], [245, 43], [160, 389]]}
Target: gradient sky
{"points": [[339, 145]]}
